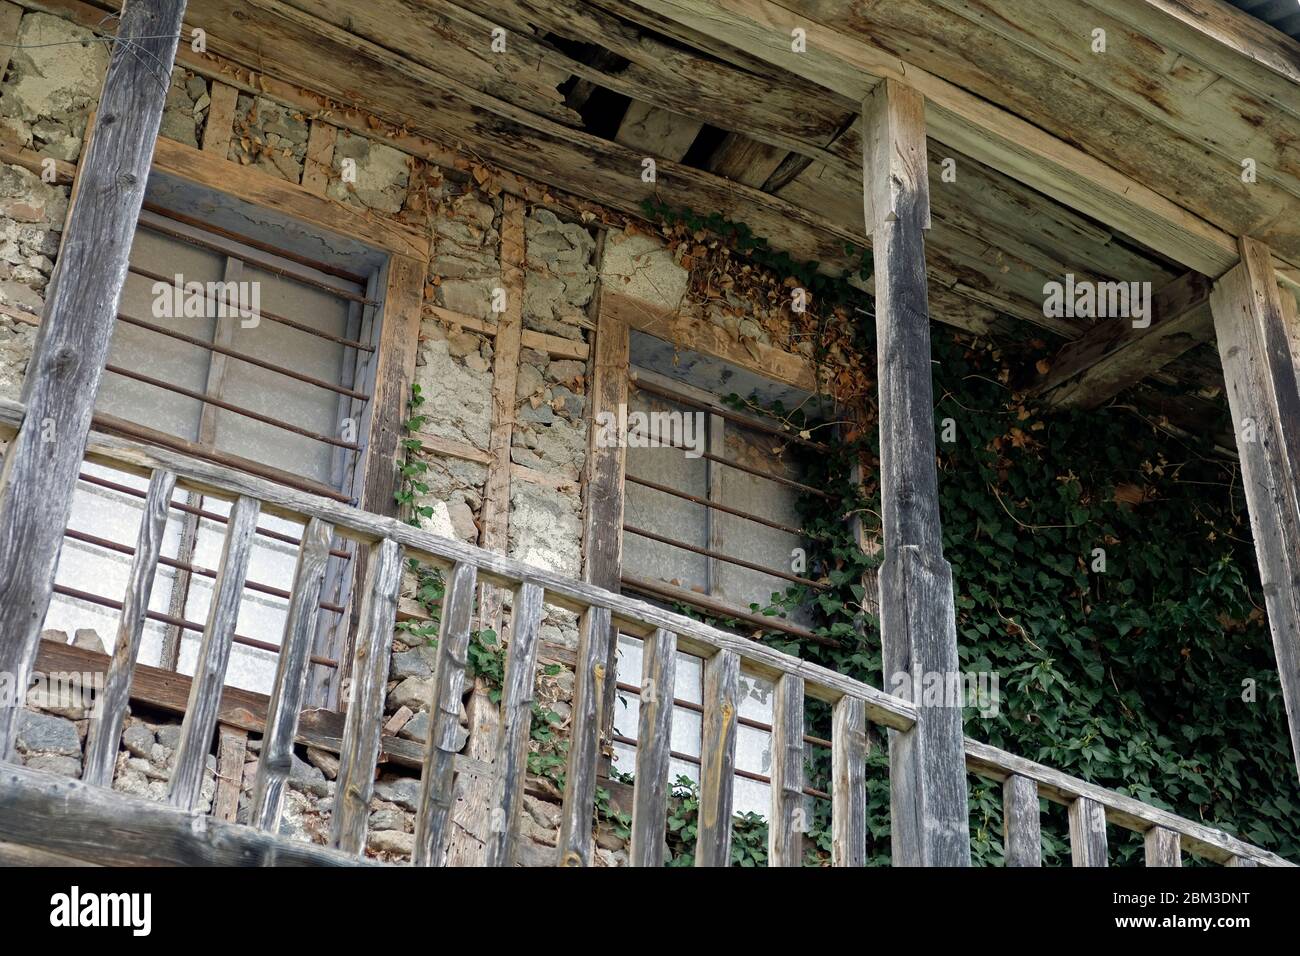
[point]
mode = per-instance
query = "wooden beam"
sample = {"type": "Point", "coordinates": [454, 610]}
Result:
{"type": "Point", "coordinates": [42, 461]}
{"type": "Point", "coordinates": [1087, 833]}
{"type": "Point", "coordinates": [319, 160]}
{"type": "Point", "coordinates": [1115, 354]}
{"type": "Point", "coordinates": [850, 66]}
{"type": "Point", "coordinates": [1259, 370]}
{"type": "Point", "coordinates": [746, 160]}
{"type": "Point", "coordinates": [928, 807]}
{"type": "Point", "coordinates": [292, 199]}
{"type": "Point", "coordinates": [102, 826]}
{"type": "Point", "coordinates": [220, 126]}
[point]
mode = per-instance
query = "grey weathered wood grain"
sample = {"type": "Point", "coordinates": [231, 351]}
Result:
{"type": "Point", "coordinates": [634, 617]}
{"type": "Point", "coordinates": [1241, 861]}
{"type": "Point", "coordinates": [928, 805]}
{"type": "Point", "coordinates": [584, 740]}
{"type": "Point", "coordinates": [103, 826]}
{"type": "Point", "coordinates": [104, 733]}
{"type": "Point", "coordinates": [993, 763]}
{"type": "Point", "coordinates": [511, 760]}
{"type": "Point", "coordinates": [849, 751]}
{"type": "Point", "coordinates": [1162, 847]}
{"type": "Point", "coordinates": [433, 816]}
{"type": "Point", "coordinates": [1087, 833]}
{"type": "Point", "coordinates": [360, 750]}
{"type": "Point", "coordinates": [41, 464]}
{"type": "Point", "coordinates": [200, 721]}
{"type": "Point", "coordinates": [232, 747]}
{"type": "Point", "coordinates": [1022, 835]}
{"type": "Point", "coordinates": [786, 823]}
{"type": "Point", "coordinates": [1261, 382]}
{"type": "Point", "coordinates": [653, 749]}
{"type": "Point", "coordinates": [290, 676]}
{"type": "Point", "coordinates": [718, 759]}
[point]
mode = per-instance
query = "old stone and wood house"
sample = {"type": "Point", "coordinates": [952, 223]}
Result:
{"type": "Point", "coordinates": [329, 328]}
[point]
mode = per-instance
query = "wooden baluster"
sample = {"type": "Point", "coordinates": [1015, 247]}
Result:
{"type": "Point", "coordinates": [1022, 836]}
{"type": "Point", "coordinates": [232, 747]}
{"type": "Point", "coordinates": [849, 750]}
{"type": "Point", "coordinates": [653, 749]}
{"type": "Point", "coordinates": [1163, 847]}
{"type": "Point", "coordinates": [786, 823]}
{"type": "Point", "coordinates": [290, 676]}
{"type": "Point", "coordinates": [718, 760]}
{"type": "Point", "coordinates": [433, 819]}
{"type": "Point", "coordinates": [1241, 861]}
{"type": "Point", "coordinates": [511, 760]}
{"type": "Point", "coordinates": [1087, 833]}
{"type": "Point", "coordinates": [584, 739]}
{"type": "Point", "coordinates": [360, 750]}
{"type": "Point", "coordinates": [209, 679]}
{"type": "Point", "coordinates": [105, 732]}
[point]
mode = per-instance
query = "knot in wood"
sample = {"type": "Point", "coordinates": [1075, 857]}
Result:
{"type": "Point", "coordinates": [127, 180]}
{"type": "Point", "coordinates": [62, 360]}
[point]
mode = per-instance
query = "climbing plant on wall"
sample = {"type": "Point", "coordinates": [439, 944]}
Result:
{"type": "Point", "coordinates": [1103, 572]}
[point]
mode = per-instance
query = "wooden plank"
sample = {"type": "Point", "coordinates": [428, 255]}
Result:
{"type": "Point", "coordinates": [433, 817]}
{"type": "Point", "coordinates": [511, 760]}
{"type": "Point", "coordinates": [849, 751]}
{"type": "Point", "coordinates": [104, 734]}
{"type": "Point", "coordinates": [263, 189]}
{"type": "Point", "coordinates": [186, 784]}
{"type": "Point", "coordinates": [746, 160]}
{"type": "Point", "coordinates": [291, 668]}
{"type": "Point", "coordinates": [1260, 375]}
{"type": "Point", "coordinates": [360, 751]}
{"type": "Point", "coordinates": [718, 759]}
{"type": "Point", "coordinates": [1087, 833]}
{"type": "Point", "coordinates": [102, 826]}
{"type": "Point", "coordinates": [653, 749]}
{"type": "Point", "coordinates": [318, 163]}
{"type": "Point", "coordinates": [584, 739]}
{"type": "Point", "coordinates": [1114, 354]}
{"type": "Point", "coordinates": [38, 475]}
{"type": "Point", "coordinates": [844, 62]}
{"type": "Point", "coordinates": [1162, 847]}
{"type": "Point", "coordinates": [656, 131]}
{"type": "Point", "coordinates": [1022, 837]}
{"type": "Point", "coordinates": [634, 617]}
{"type": "Point", "coordinates": [220, 126]}
{"type": "Point", "coordinates": [232, 745]}
{"type": "Point", "coordinates": [786, 824]}
{"type": "Point", "coordinates": [494, 516]}
{"type": "Point", "coordinates": [994, 763]}
{"type": "Point", "coordinates": [927, 771]}
{"type": "Point", "coordinates": [603, 484]}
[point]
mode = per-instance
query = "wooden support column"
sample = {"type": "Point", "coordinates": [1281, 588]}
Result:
{"type": "Point", "coordinates": [40, 468]}
{"type": "Point", "coordinates": [1259, 370]}
{"type": "Point", "coordinates": [927, 765]}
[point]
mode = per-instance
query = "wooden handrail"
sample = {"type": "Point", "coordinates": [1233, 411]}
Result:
{"type": "Point", "coordinates": [1092, 807]}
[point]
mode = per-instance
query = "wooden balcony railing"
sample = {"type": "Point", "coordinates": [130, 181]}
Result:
{"type": "Point", "coordinates": [87, 820]}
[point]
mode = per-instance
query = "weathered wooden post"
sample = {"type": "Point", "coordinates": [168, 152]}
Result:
{"type": "Point", "coordinates": [1257, 334]}
{"type": "Point", "coordinates": [40, 467]}
{"type": "Point", "coordinates": [927, 766]}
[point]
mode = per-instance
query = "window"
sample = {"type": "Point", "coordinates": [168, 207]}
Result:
{"type": "Point", "coordinates": [711, 520]}
{"type": "Point", "coordinates": [245, 341]}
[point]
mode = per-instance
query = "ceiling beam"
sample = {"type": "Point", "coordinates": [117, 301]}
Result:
{"type": "Point", "coordinates": [1114, 355]}
{"type": "Point", "coordinates": [850, 66]}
